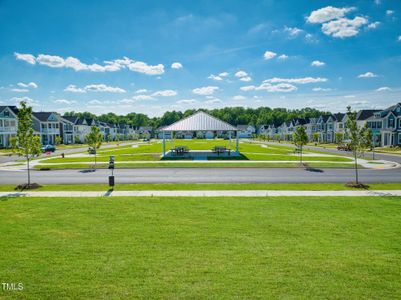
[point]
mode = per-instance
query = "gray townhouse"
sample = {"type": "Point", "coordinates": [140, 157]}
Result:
{"type": "Point", "coordinates": [47, 126]}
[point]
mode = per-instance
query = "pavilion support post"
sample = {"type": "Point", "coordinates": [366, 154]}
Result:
{"type": "Point", "coordinates": [229, 138]}
{"type": "Point", "coordinates": [236, 142]}
{"type": "Point", "coordinates": [164, 144]}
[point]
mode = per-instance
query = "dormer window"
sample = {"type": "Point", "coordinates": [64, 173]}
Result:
{"type": "Point", "coordinates": [6, 113]}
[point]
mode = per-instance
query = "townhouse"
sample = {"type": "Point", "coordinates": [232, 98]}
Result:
{"type": "Point", "coordinates": [8, 124]}
{"type": "Point", "coordinates": [246, 131]}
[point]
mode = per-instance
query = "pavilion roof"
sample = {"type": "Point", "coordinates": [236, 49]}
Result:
{"type": "Point", "coordinates": [200, 121]}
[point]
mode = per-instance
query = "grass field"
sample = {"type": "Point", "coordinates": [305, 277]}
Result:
{"type": "Point", "coordinates": [207, 186]}
{"type": "Point", "coordinates": [221, 248]}
{"type": "Point", "coordinates": [149, 155]}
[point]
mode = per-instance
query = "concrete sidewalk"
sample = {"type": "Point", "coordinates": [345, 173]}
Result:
{"type": "Point", "coordinates": [226, 193]}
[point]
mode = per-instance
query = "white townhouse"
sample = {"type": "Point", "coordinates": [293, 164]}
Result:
{"type": "Point", "coordinates": [47, 126]}
{"type": "Point", "coordinates": [8, 124]}
{"type": "Point", "coordinates": [83, 128]}
{"type": "Point", "coordinates": [246, 131]}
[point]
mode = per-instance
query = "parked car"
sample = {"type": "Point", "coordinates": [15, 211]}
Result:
{"type": "Point", "coordinates": [344, 147]}
{"type": "Point", "coordinates": [146, 139]}
{"type": "Point", "coordinates": [91, 151]}
{"type": "Point", "coordinates": [48, 148]}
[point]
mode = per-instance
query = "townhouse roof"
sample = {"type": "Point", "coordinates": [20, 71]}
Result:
{"type": "Point", "coordinates": [13, 108]}
{"type": "Point", "coordinates": [338, 116]}
{"type": "Point", "coordinates": [71, 119]}
{"type": "Point", "coordinates": [243, 127]}
{"type": "Point", "coordinates": [364, 114]}
{"type": "Point", "coordinates": [42, 116]}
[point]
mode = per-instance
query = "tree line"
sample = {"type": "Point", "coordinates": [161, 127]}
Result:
{"type": "Point", "coordinates": [233, 115]}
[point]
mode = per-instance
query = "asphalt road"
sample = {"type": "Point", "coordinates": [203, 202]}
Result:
{"type": "Point", "coordinates": [202, 175]}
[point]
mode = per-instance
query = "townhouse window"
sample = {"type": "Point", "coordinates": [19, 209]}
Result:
{"type": "Point", "coordinates": [43, 126]}
{"type": "Point", "coordinates": [6, 123]}
{"type": "Point", "coordinates": [6, 113]}
{"type": "Point", "coordinates": [399, 123]}
{"type": "Point", "coordinates": [379, 125]}
{"type": "Point", "coordinates": [1, 123]}
{"type": "Point", "coordinates": [12, 123]}
{"type": "Point", "coordinates": [391, 123]}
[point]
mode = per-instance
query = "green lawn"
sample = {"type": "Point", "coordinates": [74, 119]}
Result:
{"type": "Point", "coordinates": [220, 248]}
{"type": "Point", "coordinates": [132, 156]}
{"type": "Point", "coordinates": [207, 186]}
{"type": "Point", "coordinates": [181, 164]}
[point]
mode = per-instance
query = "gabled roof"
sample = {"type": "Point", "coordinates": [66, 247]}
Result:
{"type": "Point", "coordinates": [13, 108]}
{"type": "Point", "coordinates": [70, 119]}
{"type": "Point", "coordinates": [43, 116]}
{"type": "Point", "coordinates": [200, 121]}
{"type": "Point", "coordinates": [339, 116]}
{"type": "Point", "coordinates": [365, 114]}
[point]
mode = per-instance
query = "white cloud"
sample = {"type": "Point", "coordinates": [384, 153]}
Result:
{"type": "Point", "coordinates": [319, 89]}
{"type": "Point", "coordinates": [240, 74]}
{"type": "Point", "coordinates": [94, 88]}
{"type": "Point", "coordinates": [399, 38]}
{"type": "Point", "coordinates": [269, 55]}
{"type": "Point", "coordinates": [141, 91]}
{"type": "Point", "coordinates": [317, 63]}
{"type": "Point", "coordinates": [239, 98]}
{"type": "Point", "coordinates": [165, 93]}
{"type": "Point", "coordinates": [343, 27]}
{"type": "Point", "coordinates": [377, 2]}
{"type": "Point", "coordinates": [74, 89]}
{"type": "Point", "coordinates": [28, 100]}
{"type": "Point", "coordinates": [328, 13]}
{"type": "Point", "coordinates": [142, 67]}
{"type": "Point", "coordinates": [103, 88]}
{"type": "Point", "coordinates": [246, 78]}
{"type": "Point", "coordinates": [176, 65]}
{"type": "Point", "coordinates": [272, 88]}
{"type": "Point", "coordinates": [55, 61]}
{"type": "Point", "coordinates": [28, 85]}
{"type": "Point", "coordinates": [20, 90]}
{"type": "Point", "coordinates": [373, 25]}
{"type": "Point", "coordinates": [142, 97]}
{"type": "Point", "coordinates": [213, 101]}
{"type": "Point", "coordinates": [29, 58]}
{"type": "Point", "coordinates": [293, 31]}
{"type": "Point", "coordinates": [215, 77]}
{"type": "Point", "coordinates": [303, 80]}
{"type": "Point", "coordinates": [95, 102]}
{"type": "Point", "coordinates": [389, 12]}
{"type": "Point", "coordinates": [52, 61]}
{"type": "Point", "coordinates": [65, 101]}
{"type": "Point", "coordinates": [367, 75]}
{"type": "Point", "coordinates": [224, 74]}
{"type": "Point", "coordinates": [349, 96]}
{"type": "Point", "coordinates": [283, 57]}
{"type": "Point", "coordinates": [206, 90]}
{"type": "Point", "coordinates": [383, 89]}
{"type": "Point", "coordinates": [187, 101]}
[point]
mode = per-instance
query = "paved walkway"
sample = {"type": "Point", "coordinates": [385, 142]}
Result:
{"type": "Point", "coordinates": [226, 193]}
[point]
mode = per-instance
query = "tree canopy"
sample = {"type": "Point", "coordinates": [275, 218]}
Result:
{"type": "Point", "coordinates": [233, 115]}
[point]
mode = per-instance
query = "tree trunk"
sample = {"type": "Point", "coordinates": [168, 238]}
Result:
{"type": "Point", "coordinates": [356, 168]}
{"type": "Point", "coordinates": [95, 159]}
{"type": "Point", "coordinates": [301, 155]}
{"type": "Point", "coordinates": [29, 173]}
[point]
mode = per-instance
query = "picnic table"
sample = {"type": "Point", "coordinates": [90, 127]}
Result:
{"type": "Point", "coordinates": [219, 150]}
{"type": "Point", "coordinates": [180, 150]}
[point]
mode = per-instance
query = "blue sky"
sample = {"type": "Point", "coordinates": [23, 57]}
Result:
{"type": "Point", "coordinates": [153, 56]}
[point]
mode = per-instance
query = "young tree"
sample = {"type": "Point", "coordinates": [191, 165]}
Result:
{"type": "Point", "coordinates": [357, 137]}
{"type": "Point", "coordinates": [26, 144]}
{"type": "Point", "coordinates": [300, 139]}
{"type": "Point", "coordinates": [57, 140]}
{"type": "Point", "coordinates": [94, 140]}
{"type": "Point", "coordinates": [339, 138]}
{"type": "Point", "coordinates": [77, 139]}
{"type": "Point", "coordinates": [316, 137]}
